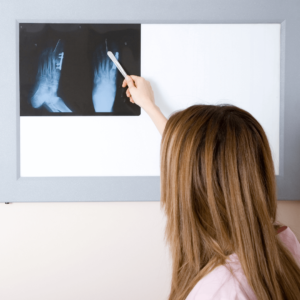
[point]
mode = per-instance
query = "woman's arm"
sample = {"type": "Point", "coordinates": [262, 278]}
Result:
{"type": "Point", "coordinates": [140, 92]}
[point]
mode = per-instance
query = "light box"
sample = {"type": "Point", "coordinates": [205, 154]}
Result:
{"type": "Point", "coordinates": [206, 51]}
{"type": "Point", "coordinates": [187, 64]}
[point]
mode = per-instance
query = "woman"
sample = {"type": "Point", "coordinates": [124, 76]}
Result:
{"type": "Point", "coordinates": [218, 191]}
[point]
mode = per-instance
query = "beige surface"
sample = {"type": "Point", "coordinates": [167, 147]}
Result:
{"type": "Point", "coordinates": [289, 214]}
{"type": "Point", "coordinates": [90, 251]}
{"type": "Point", "coordinates": [78, 251]}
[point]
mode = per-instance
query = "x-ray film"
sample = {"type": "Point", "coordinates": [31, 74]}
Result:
{"type": "Point", "coordinates": [65, 69]}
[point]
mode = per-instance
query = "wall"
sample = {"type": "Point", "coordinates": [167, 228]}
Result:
{"type": "Point", "coordinates": [81, 251]}
{"type": "Point", "coordinates": [289, 214]}
{"type": "Point", "coordinates": [90, 251]}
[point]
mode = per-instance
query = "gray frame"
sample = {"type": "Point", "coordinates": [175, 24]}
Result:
{"type": "Point", "coordinates": [71, 189]}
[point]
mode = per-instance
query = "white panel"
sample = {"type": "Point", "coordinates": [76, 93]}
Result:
{"type": "Point", "coordinates": [186, 64]}
{"type": "Point", "coordinates": [89, 146]}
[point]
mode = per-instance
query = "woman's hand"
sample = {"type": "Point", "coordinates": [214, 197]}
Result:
{"type": "Point", "coordinates": [139, 91]}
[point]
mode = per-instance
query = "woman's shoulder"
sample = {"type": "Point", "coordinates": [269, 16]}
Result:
{"type": "Point", "coordinates": [229, 281]}
{"type": "Point", "coordinates": [290, 240]}
{"type": "Point", "coordinates": [224, 282]}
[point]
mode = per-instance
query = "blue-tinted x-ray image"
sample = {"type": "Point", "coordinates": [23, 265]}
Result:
{"type": "Point", "coordinates": [47, 80]}
{"type": "Point", "coordinates": [105, 79]}
{"type": "Point", "coordinates": [65, 71]}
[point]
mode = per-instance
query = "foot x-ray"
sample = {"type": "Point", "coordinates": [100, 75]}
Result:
{"type": "Point", "coordinates": [65, 69]}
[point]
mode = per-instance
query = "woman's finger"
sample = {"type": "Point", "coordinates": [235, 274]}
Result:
{"type": "Point", "coordinates": [128, 93]}
{"type": "Point", "coordinates": [124, 83]}
{"type": "Point", "coordinates": [135, 78]}
{"type": "Point", "coordinates": [130, 82]}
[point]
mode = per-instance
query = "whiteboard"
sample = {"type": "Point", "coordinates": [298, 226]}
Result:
{"type": "Point", "coordinates": [186, 64]}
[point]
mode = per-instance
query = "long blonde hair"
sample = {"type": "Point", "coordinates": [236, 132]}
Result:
{"type": "Point", "coordinates": [218, 191]}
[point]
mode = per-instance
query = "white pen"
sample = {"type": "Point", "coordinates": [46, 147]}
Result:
{"type": "Point", "coordinates": [115, 61]}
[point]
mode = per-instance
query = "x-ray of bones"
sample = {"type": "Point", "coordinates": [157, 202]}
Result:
{"type": "Point", "coordinates": [47, 80]}
{"type": "Point", "coordinates": [48, 76]}
{"type": "Point", "coordinates": [105, 80]}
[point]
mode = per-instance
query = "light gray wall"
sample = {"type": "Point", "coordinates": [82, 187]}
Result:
{"type": "Point", "coordinates": [15, 189]}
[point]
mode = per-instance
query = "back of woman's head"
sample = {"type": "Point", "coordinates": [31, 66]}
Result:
{"type": "Point", "coordinates": [218, 190]}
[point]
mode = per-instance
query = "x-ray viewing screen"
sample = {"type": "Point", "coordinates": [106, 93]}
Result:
{"type": "Point", "coordinates": [235, 64]}
{"type": "Point", "coordinates": [65, 70]}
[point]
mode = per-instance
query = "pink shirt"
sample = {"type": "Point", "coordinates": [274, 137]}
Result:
{"type": "Point", "coordinates": [221, 285]}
